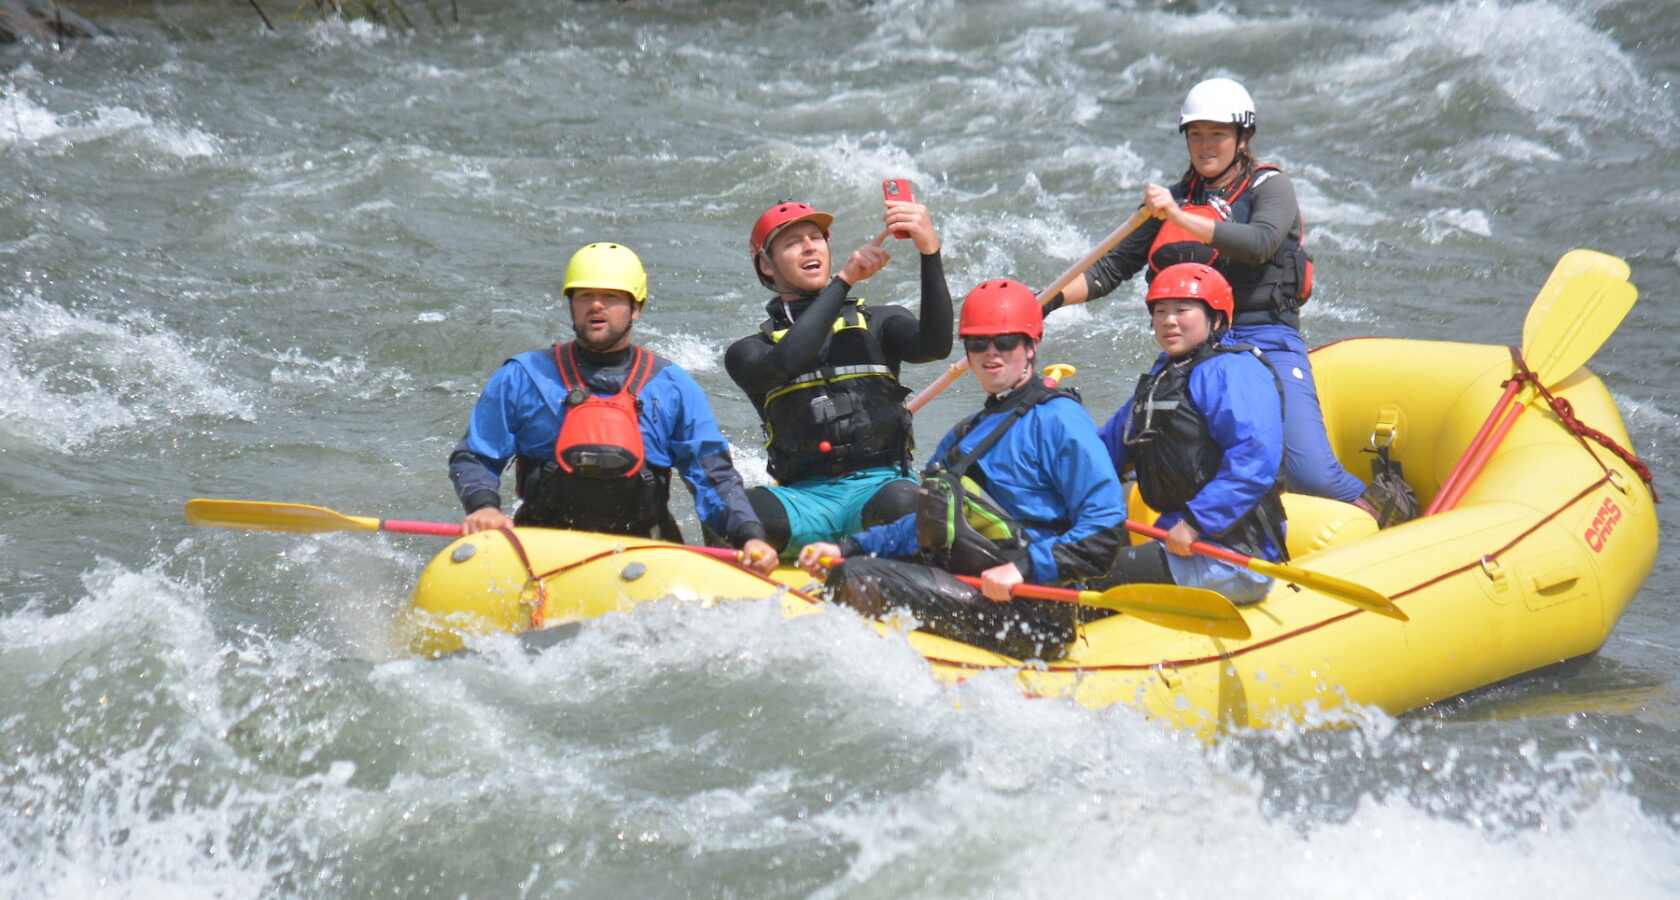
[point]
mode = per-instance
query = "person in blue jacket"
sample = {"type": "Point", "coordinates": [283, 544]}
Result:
{"type": "Point", "coordinates": [1204, 432]}
{"type": "Point", "coordinates": [596, 426]}
{"type": "Point", "coordinates": [1021, 491]}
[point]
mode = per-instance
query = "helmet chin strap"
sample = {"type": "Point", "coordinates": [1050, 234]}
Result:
{"type": "Point", "coordinates": [1235, 159]}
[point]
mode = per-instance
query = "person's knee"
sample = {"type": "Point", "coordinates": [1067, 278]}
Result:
{"type": "Point", "coordinates": [1141, 564]}
{"type": "Point", "coordinates": [893, 501]}
{"type": "Point", "coordinates": [772, 515]}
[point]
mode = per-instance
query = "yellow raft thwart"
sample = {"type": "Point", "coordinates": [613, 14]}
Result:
{"type": "Point", "coordinates": [1534, 566]}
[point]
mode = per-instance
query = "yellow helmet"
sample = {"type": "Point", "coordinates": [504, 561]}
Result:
{"type": "Point", "coordinates": [612, 267]}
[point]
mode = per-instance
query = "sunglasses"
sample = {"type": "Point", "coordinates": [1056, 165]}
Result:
{"type": "Point", "coordinates": [1004, 342]}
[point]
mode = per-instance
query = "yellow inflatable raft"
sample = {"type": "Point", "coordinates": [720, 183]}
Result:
{"type": "Point", "coordinates": [1534, 566]}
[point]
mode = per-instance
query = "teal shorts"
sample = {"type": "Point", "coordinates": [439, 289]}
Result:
{"type": "Point", "coordinates": [827, 509]}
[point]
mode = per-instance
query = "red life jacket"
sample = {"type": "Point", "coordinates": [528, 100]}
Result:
{"type": "Point", "coordinates": [601, 437]}
{"type": "Point", "coordinates": [1281, 284]}
{"type": "Point", "coordinates": [1180, 245]}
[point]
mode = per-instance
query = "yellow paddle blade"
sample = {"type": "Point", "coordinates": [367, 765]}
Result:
{"type": "Point", "coordinates": [1571, 264]}
{"type": "Point", "coordinates": [1059, 372]}
{"type": "Point", "coordinates": [292, 517]}
{"type": "Point", "coordinates": [1329, 585]}
{"type": "Point", "coordinates": [1582, 317]}
{"type": "Point", "coordinates": [1196, 610]}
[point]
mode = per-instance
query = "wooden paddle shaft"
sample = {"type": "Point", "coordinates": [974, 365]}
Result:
{"type": "Point", "coordinates": [956, 369]}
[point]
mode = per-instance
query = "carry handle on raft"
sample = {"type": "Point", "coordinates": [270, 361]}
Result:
{"type": "Point", "coordinates": [1194, 610]}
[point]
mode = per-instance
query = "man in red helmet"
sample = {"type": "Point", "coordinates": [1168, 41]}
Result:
{"type": "Point", "coordinates": [822, 372]}
{"type": "Point", "coordinates": [1204, 431]}
{"type": "Point", "coordinates": [1020, 491]}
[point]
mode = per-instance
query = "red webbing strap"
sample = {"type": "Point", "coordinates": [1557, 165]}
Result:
{"type": "Point", "coordinates": [641, 369]}
{"type": "Point", "coordinates": [570, 378]}
{"type": "Point", "coordinates": [540, 606]}
{"type": "Point", "coordinates": [1566, 414]}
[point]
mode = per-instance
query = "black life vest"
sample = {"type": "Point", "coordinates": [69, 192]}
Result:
{"type": "Point", "coordinates": [959, 528]}
{"type": "Point", "coordinates": [1176, 457]}
{"type": "Point", "coordinates": [1263, 292]}
{"type": "Point", "coordinates": [597, 479]}
{"type": "Point", "coordinates": [845, 415]}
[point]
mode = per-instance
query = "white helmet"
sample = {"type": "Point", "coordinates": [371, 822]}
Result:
{"type": "Point", "coordinates": [1217, 100]}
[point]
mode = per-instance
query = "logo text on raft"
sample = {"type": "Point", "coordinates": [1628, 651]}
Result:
{"type": "Point", "coordinates": [1602, 524]}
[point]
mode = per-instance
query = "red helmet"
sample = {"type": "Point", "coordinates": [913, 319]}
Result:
{"type": "Point", "coordinates": [780, 216]}
{"type": "Point", "coordinates": [1001, 307]}
{"type": "Point", "coordinates": [1192, 281]}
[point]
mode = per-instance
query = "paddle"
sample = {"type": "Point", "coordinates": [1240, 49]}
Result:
{"type": "Point", "coordinates": [1570, 319]}
{"type": "Point", "coordinates": [1329, 585]}
{"type": "Point", "coordinates": [1194, 610]}
{"type": "Point", "coordinates": [956, 369]}
{"type": "Point", "coordinates": [300, 519]}
{"type": "Point", "coordinates": [1569, 265]}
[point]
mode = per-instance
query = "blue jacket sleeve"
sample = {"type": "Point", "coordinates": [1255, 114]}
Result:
{"type": "Point", "coordinates": [1239, 399]}
{"type": "Point", "coordinates": [897, 539]}
{"type": "Point", "coordinates": [684, 434]}
{"type": "Point", "coordinates": [509, 417]}
{"type": "Point", "coordinates": [894, 540]}
{"type": "Point", "coordinates": [1083, 481]}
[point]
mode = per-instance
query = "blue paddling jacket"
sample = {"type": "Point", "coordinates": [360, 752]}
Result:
{"type": "Point", "coordinates": [1235, 396]}
{"type": "Point", "coordinates": [1051, 474]}
{"type": "Point", "coordinates": [521, 410]}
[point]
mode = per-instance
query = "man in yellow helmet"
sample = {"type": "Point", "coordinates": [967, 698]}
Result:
{"type": "Point", "coordinates": [595, 427]}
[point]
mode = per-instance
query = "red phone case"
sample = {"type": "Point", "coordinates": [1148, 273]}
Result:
{"type": "Point", "coordinates": [898, 189]}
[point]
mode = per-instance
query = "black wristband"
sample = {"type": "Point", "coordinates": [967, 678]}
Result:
{"type": "Point", "coordinates": [748, 531]}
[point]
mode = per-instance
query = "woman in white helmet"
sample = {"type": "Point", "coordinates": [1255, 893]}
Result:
{"type": "Point", "coordinates": [1240, 217]}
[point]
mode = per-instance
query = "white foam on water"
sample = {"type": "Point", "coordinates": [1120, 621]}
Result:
{"type": "Point", "coordinates": [120, 121]}
{"type": "Point", "coordinates": [751, 461]}
{"type": "Point", "coordinates": [1545, 59]}
{"type": "Point", "coordinates": [854, 165]}
{"type": "Point", "coordinates": [694, 353]}
{"type": "Point", "coordinates": [1441, 224]}
{"type": "Point", "coordinates": [1320, 210]}
{"type": "Point", "coordinates": [681, 734]}
{"type": "Point", "coordinates": [67, 376]}
{"type": "Point", "coordinates": [103, 777]}
{"type": "Point", "coordinates": [1036, 796]}
{"type": "Point", "coordinates": [336, 32]}
{"type": "Point", "coordinates": [24, 121]}
{"type": "Point", "coordinates": [294, 368]}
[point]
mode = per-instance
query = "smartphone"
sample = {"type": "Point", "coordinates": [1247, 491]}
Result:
{"type": "Point", "coordinates": [898, 189]}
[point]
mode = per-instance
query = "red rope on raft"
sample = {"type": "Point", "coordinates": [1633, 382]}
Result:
{"type": "Point", "coordinates": [1566, 415]}
{"type": "Point", "coordinates": [539, 607]}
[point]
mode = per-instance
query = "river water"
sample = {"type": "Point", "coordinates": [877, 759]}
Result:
{"type": "Point", "coordinates": [279, 266]}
